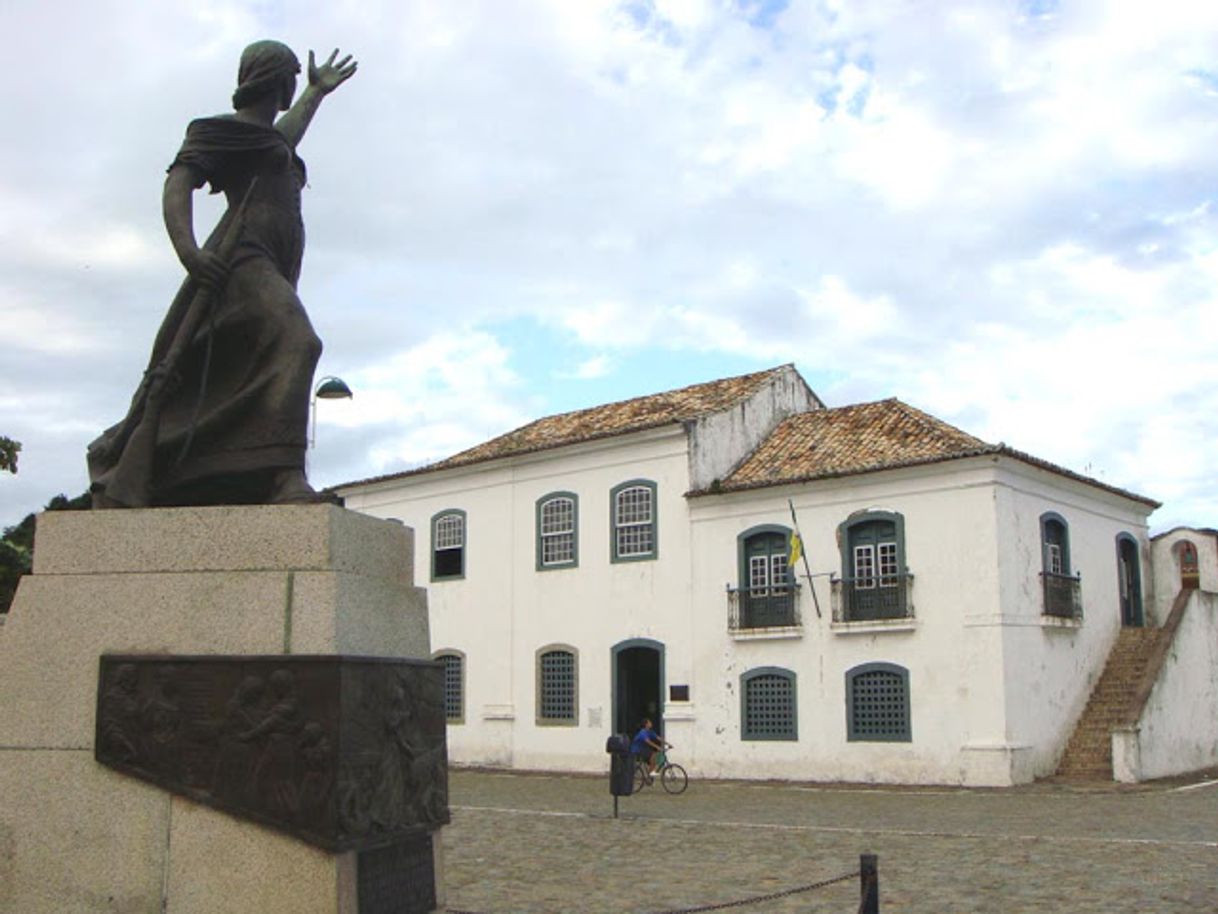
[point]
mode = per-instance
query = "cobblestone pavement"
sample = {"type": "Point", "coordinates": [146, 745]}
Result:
{"type": "Point", "coordinates": [533, 843]}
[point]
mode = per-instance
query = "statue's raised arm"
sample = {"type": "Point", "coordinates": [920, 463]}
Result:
{"type": "Point", "coordinates": [322, 81]}
{"type": "Point", "coordinates": [222, 414]}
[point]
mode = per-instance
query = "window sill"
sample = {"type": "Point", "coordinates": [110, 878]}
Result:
{"type": "Point", "coordinates": [774, 633]}
{"type": "Point", "coordinates": [792, 738]}
{"type": "Point", "coordinates": [871, 626]}
{"type": "Point", "coordinates": [627, 559]}
{"type": "Point", "coordinates": [879, 739]}
{"type": "Point", "coordinates": [1059, 622]}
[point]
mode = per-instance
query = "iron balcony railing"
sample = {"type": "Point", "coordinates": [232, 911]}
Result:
{"type": "Point", "coordinates": [866, 599]}
{"type": "Point", "coordinates": [763, 607]}
{"type": "Point", "coordinates": [1063, 595]}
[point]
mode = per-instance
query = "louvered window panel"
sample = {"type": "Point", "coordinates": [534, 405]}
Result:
{"type": "Point", "coordinates": [557, 688]}
{"type": "Point", "coordinates": [878, 704]}
{"type": "Point", "coordinates": [769, 705]}
{"type": "Point", "coordinates": [454, 699]}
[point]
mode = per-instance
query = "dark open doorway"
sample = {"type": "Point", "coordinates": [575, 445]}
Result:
{"type": "Point", "coordinates": [638, 682]}
{"type": "Point", "coordinates": [1129, 571]}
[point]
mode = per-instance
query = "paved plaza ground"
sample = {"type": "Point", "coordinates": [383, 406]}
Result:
{"type": "Point", "coordinates": [533, 843]}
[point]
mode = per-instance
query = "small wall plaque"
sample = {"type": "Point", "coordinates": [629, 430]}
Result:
{"type": "Point", "coordinates": [398, 878]}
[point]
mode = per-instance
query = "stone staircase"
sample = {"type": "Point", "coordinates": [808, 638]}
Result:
{"type": "Point", "coordinates": [1088, 755]}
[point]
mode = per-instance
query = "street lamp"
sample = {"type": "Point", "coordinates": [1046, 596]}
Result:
{"type": "Point", "coordinates": [328, 388]}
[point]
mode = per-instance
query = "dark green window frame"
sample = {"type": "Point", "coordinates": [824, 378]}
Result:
{"type": "Point", "coordinates": [541, 535]}
{"type": "Point", "coordinates": [557, 693]}
{"type": "Point", "coordinates": [766, 595]}
{"type": "Point", "coordinates": [862, 519]}
{"type": "Point", "coordinates": [1061, 587]}
{"type": "Point", "coordinates": [624, 527]}
{"type": "Point", "coordinates": [769, 704]}
{"type": "Point", "coordinates": [454, 684]}
{"type": "Point", "coordinates": [1055, 532]}
{"type": "Point", "coordinates": [1129, 579]}
{"type": "Point", "coordinates": [875, 577]}
{"type": "Point", "coordinates": [442, 565]}
{"type": "Point", "coordinates": [877, 704]}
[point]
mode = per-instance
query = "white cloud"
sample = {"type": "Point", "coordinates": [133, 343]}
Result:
{"type": "Point", "coordinates": [433, 399]}
{"type": "Point", "coordinates": [1003, 218]}
{"type": "Point", "coordinates": [612, 323]}
{"type": "Point", "coordinates": [596, 367]}
{"type": "Point", "coordinates": [845, 317]}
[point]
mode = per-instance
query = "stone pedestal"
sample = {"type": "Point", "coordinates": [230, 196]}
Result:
{"type": "Point", "coordinates": [78, 837]}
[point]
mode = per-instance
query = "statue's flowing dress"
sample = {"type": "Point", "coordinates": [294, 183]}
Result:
{"type": "Point", "coordinates": [240, 409]}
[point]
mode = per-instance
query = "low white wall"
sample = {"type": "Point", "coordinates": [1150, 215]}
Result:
{"type": "Point", "coordinates": [1178, 730]}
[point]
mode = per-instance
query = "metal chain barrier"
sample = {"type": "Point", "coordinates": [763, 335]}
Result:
{"type": "Point", "coordinates": [760, 899]}
{"type": "Point", "coordinates": [740, 903]}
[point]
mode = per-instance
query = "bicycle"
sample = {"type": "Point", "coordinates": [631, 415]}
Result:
{"type": "Point", "coordinates": [672, 776]}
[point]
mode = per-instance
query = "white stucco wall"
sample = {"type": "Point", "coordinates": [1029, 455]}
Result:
{"type": "Point", "coordinates": [504, 610]}
{"type": "Point", "coordinates": [954, 671]}
{"type": "Point", "coordinates": [994, 689]}
{"type": "Point", "coordinates": [1050, 665]}
{"type": "Point", "coordinates": [1178, 729]}
{"type": "Point", "coordinates": [718, 441]}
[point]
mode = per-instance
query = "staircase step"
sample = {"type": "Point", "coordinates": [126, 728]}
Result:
{"type": "Point", "coordinates": [1088, 753]}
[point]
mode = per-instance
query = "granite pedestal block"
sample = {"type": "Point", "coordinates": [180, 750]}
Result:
{"type": "Point", "coordinates": [76, 836]}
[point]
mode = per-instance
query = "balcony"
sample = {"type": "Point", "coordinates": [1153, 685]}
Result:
{"type": "Point", "coordinates": [1063, 595]}
{"type": "Point", "coordinates": [873, 598]}
{"type": "Point", "coordinates": [763, 607]}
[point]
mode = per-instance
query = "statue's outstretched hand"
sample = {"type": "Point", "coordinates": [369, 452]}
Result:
{"type": "Point", "coordinates": [330, 75]}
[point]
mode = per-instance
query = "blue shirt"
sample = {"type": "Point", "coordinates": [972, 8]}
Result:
{"type": "Point", "coordinates": [639, 744]}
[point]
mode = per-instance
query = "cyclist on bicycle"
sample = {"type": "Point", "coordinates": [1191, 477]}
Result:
{"type": "Point", "coordinates": [648, 743]}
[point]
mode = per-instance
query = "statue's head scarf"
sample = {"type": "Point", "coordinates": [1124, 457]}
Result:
{"type": "Point", "coordinates": [263, 65]}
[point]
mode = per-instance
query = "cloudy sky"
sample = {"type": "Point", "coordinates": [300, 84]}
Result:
{"type": "Point", "coordinates": [999, 211]}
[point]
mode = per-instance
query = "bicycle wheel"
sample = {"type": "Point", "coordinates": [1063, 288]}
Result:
{"type": "Point", "coordinates": [674, 779]}
{"type": "Point", "coordinates": [640, 776]}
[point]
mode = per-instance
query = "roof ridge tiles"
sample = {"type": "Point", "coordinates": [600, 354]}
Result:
{"type": "Point", "coordinates": [822, 443]}
{"type": "Point", "coordinates": [867, 437]}
{"type": "Point", "coordinates": [605, 420]}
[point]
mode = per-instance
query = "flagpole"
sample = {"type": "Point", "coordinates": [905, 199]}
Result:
{"type": "Point", "coordinates": [803, 554]}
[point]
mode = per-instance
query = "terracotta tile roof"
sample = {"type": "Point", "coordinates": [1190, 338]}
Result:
{"type": "Point", "coordinates": [867, 437]}
{"type": "Point", "coordinates": [851, 439]}
{"type": "Point", "coordinates": [605, 421]}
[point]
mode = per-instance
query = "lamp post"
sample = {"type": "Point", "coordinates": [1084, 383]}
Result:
{"type": "Point", "coordinates": [328, 388]}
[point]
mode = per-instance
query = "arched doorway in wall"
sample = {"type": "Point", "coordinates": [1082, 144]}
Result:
{"type": "Point", "coordinates": [638, 684]}
{"type": "Point", "coordinates": [1129, 583]}
{"type": "Point", "coordinates": [1190, 568]}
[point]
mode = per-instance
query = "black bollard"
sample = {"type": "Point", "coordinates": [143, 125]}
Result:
{"type": "Point", "coordinates": [621, 768]}
{"type": "Point", "coordinates": [869, 884]}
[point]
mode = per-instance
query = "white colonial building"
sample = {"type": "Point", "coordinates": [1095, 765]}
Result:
{"type": "Point", "coordinates": [958, 603]}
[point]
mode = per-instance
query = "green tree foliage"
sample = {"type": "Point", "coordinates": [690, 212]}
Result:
{"type": "Point", "coordinates": [8, 454]}
{"type": "Point", "coordinates": [17, 546]}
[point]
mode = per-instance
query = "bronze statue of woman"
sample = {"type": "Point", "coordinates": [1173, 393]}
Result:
{"type": "Point", "coordinates": [221, 416]}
